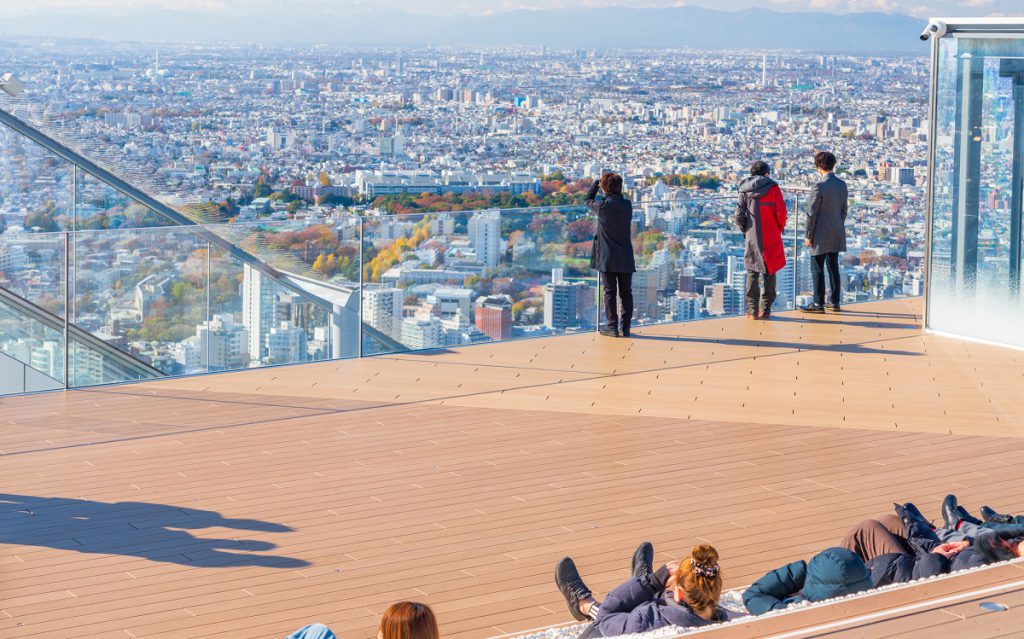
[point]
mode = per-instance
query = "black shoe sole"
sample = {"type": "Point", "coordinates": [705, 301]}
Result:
{"type": "Point", "coordinates": [566, 576]}
{"type": "Point", "coordinates": [643, 560]}
{"type": "Point", "coordinates": [813, 311]}
{"type": "Point", "coordinates": [916, 513]}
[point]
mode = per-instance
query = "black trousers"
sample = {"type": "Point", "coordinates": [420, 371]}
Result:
{"type": "Point", "coordinates": [819, 263]}
{"type": "Point", "coordinates": [755, 293]}
{"type": "Point", "coordinates": [617, 286]}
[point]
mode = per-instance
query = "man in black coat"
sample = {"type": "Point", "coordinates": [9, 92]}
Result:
{"type": "Point", "coordinates": [612, 255]}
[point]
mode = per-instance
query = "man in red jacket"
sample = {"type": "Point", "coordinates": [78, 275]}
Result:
{"type": "Point", "coordinates": [761, 215]}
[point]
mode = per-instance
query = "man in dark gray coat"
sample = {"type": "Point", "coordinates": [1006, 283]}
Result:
{"type": "Point", "coordinates": [826, 232]}
{"type": "Point", "coordinates": [613, 252]}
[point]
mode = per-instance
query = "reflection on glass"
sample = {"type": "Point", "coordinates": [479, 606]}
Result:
{"type": "Point", "coordinates": [310, 313]}
{"type": "Point", "coordinates": [99, 206]}
{"type": "Point", "coordinates": [976, 216]}
{"type": "Point", "coordinates": [35, 186]}
{"type": "Point", "coordinates": [144, 292]}
{"type": "Point", "coordinates": [31, 352]}
{"type": "Point", "coordinates": [885, 249]}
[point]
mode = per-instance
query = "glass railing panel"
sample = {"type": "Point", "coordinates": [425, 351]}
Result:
{"type": "Point", "coordinates": [406, 260]}
{"type": "Point", "coordinates": [308, 313]}
{"type": "Point", "coordinates": [33, 352]}
{"type": "Point", "coordinates": [144, 292]}
{"type": "Point", "coordinates": [33, 267]}
{"type": "Point", "coordinates": [885, 250]}
{"type": "Point", "coordinates": [36, 186]}
{"type": "Point", "coordinates": [689, 260]}
{"type": "Point", "coordinates": [543, 274]}
{"type": "Point", "coordinates": [101, 206]}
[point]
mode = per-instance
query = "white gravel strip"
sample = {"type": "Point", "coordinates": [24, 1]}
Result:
{"type": "Point", "coordinates": [733, 601]}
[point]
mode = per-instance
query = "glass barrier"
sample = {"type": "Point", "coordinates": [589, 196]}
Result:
{"type": "Point", "coordinates": [35, 186]}
{"type": "Point", "coordinates": [101, 206]}
{"type": "Point", "coordinates": [142, 291]}
{"type": "Point", "coordinates": [884, 256]}
{"type": "Point", "coordinates": [180, 300]}
{"type": "Point", "coordinates": [977, 219]}
{"type": "Point", "coordinates": [309, 312]}
{"type": "Point", "coordinates": [689, 261]}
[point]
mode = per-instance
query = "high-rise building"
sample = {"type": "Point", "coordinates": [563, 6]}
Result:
{"type": "Point", "coordinates": [485, 237]}
{"type": "Point", "coordinates": [449, 301]}
{"type": "Point", "coordinates": [686, 307]}
{"type": "Point", "coordinates": [286, 344]}
{"type": "Point", "coordinates": [645, 294]}
{"type": "Point", "coordinates": [221, 344]}
{"type": "Point", "coordinates": [422, 331]}
{"type": "Point", "coordinates": [151, 289]}
{"type": "Point", "coordinates": [382, 309]}
{"type": "Point", "coordinates": [902, 175]}
{"type": "Point", "coordinates": [278, 139]}
{"type": "Point", "coordinates": [494, 316]}
{"type": "Point", "coordinates": [567, 304]}
{"type": "Point", "coordinates": [724, 299]}
{"type": "Point", "coordinates": [258, 310]}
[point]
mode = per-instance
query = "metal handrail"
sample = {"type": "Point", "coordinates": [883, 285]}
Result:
{"type": "Point", "coordinates": [77, 334]}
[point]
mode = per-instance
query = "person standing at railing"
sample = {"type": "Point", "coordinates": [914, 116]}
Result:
{"type": "Point", "coordinates": [761, 215]}
{"type": "Point", "coordinates": [612, 254]}
{"type": "Point", "coordinates": [826, 232]}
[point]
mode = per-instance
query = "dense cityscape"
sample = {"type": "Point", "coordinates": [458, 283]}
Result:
{"type": "Point", "coordinates": [396, 179]}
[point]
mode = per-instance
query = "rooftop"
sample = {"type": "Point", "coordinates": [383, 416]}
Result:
{"type": "Point", "coordinates": [247, 504]}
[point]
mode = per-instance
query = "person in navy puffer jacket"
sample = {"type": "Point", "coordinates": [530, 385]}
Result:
{"type": "Point", "coordinates": [833, 572]}
{"type": "Point", "coordinates": [640, 605]}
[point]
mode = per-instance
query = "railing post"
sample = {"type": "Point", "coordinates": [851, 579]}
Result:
{"type": "Point", "coordinates": [796, 250]}
{"type": "Point", "coordinates": [359, 311]}
{"type": "Point", "coordinates": [209, 316]}
{"type": "Point", "coordinates": [67, 308]}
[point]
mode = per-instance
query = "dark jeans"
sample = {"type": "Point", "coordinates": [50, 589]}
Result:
{"type": "Point", "coordinates": [818, 265]}
{"type": "Point", "coordinates": [617, 286]}
{"type": "Point", "coordinates": [767, 297]}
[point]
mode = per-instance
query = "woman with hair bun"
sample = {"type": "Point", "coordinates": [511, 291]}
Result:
{"type": "Point", "coordinates": [639, 604]}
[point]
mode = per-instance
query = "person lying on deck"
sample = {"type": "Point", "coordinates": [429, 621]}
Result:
{"type": "Point", "coordinates": [639, 604]}
{"type": "Point", "coordinates": [905, 546]}
{"type": "Point", "coordinates": [834, 572]}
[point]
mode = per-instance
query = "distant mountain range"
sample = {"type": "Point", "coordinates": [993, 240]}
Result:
{"type": "Point", "coordinates": [612, 27]}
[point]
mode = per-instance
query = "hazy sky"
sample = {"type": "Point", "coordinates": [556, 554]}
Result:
{"type": "Point", "coordinates": [922, 8]}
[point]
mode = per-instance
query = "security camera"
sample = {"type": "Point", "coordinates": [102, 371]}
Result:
{"type": "Point", "coordinates": [11, 85]}
{"type": "Point", "coordinates": [935, 28]}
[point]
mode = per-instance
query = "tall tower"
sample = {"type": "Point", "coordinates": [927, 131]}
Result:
{"type": "Point", "coordinates": [764, 70]}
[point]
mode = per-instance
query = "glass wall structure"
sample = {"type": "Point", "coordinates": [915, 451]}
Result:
{"type": "Point", "coordinates": [977, 173]}
{"type": "Point", "coordinates": [102, 283]}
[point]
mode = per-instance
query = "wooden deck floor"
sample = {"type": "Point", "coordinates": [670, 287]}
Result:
{"type": "Point", "coordinates": [248, 504]}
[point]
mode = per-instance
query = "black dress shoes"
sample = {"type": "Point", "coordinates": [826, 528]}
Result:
{"type": "Point", "coordinates": [992, 516]}
{"type": "Point", "coordinates": [950, 514]}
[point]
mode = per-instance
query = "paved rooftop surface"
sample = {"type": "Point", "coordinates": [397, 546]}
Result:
{"type": "Point", "coordinates": [247, 504]}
